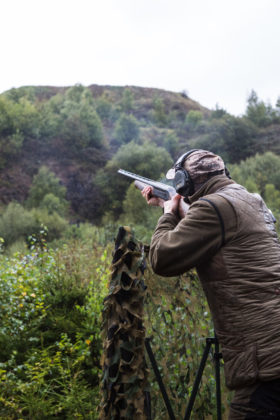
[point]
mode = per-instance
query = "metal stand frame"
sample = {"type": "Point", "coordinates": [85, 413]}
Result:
{"type": "Point", "coordinates": [217, 357]}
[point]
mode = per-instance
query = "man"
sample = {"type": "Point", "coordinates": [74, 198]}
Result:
{"type": "Point", "coordinates": [228, 234]}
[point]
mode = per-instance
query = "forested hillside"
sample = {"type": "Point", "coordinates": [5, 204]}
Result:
{"type": "Point", "coordinates": [61, 147]}
{"type": "Point", "coordinates": [61, 203]}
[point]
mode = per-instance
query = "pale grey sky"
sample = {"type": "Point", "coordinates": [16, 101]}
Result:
{"type": "Point", "coordinates": [217, 50]}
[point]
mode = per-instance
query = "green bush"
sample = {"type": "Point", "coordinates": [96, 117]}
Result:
{"type": "Point", "coordinates": [50, 332]}
{"type": "Point", "coordinates": [231, 137]}
{"type": "Point", "coordinates": [259, 113]}
{"type": "Point", "coordinates": [54, 224]}
{"type": "Point", "coordinates": [147, 160]}
{"type": "Point", "coordinates": [103, 107]}
{"type": "Point", "coordinates": [127, 102]}
{"type": "Point", "coordinates": [137, 213]}
{"type": "Point", "coordinates": [53, 204]}
{"type": "Point", "coordinates": [19, 121]}
{"type": "Point", "coordinates": [193, 118]}
{"type": "Point", "coordinates": [80, 125]}
{"type": "Point", "coordinates": [127, 129]}
{"type": "Point", "coordinates": [260, 169]}
{"type": "Point", "coordinates": [16, 224]}
{"type": "Point", "coordinates": [159, 114]}
{"type": "Point", "coordinates": [45, 182]}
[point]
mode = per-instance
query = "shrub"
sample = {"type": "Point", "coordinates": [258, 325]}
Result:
{"type": "Point", "coordinates": [81, 127]}
{"type": "Point", "coordinates": [50, 332]}
{"type": "Point", "coordinates": [158, 114]}
{"type": "Point", "coordinates": [261, 169]}
{"type": "Point", "coordinates": [193, 118]}
{"type": "Point", "coordinates": [103, 107]}
{"type": "Point", "coordinates": [146, 160]}
{"type": "Point", "coordinates": [18, 121]}
{"type": "Point", "coordinates": [16, 224]}
{"type": "Point", "coordinates": [127, 129]}
{"type": "Point", "coordinates": [46, 182]}
{"type": "Point", "coordinates": [53, 204]}
{"type": "Point", "coordinates": [127, 102]}
{"type": "Point", "coordinates": [54, 224]}
{"type": "Point", "coordinates": [258, 112]}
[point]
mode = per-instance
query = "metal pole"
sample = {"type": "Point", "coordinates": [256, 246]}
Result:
{"type": "Point", "coordinates": [159, 380]}
{"type": "Point", "coordinates": [217, 357]}
{"type": "Point", "coordinates": [209, 341]}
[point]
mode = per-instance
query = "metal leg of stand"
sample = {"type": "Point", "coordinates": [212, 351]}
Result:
{"type": "Point", "coordinates": [159, 380]}
{"type": "Point", "coordinates": [209, 341]}
{"type": "Point", "coordinates": [217, 357]}
{"type": "Point", "coordinates": [147, 405]}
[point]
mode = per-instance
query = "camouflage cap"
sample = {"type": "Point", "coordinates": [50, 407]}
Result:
{"type": "Point", "coordinates": [200, 164]}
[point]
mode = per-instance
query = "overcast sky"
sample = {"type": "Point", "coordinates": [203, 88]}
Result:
{"type": "Point", "coordinates": [216, 50]}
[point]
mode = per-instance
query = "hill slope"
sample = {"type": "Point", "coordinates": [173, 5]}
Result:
{"type": "Point", "coordinates": [75, 131]}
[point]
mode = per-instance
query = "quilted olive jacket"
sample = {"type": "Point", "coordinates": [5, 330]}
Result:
{"type": "Point", "coordinates": [228, 234]}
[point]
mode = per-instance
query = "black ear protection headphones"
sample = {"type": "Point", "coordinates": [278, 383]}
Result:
{"type": "Point", "coordinates": [182, 180]}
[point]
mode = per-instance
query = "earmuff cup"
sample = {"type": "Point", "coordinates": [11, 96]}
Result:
{"type": "Point", "coordinates": [183, 183]}
{"type": "Point", "coordinates": [182, 180]}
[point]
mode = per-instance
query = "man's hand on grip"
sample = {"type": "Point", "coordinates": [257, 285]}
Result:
{"type": "Point", "coordinates": [147, 193]}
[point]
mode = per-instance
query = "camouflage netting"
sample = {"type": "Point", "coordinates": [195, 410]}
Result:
{"type": "Point", "coordinates": [124, 380]}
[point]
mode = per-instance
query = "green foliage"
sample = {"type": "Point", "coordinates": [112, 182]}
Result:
{"type": "Point", "coordinates": [44, 183]}
{"type": "Point", "coordinates": [50, 117]}
{"type": "Point", "coordinates": [103, 107]}
{"type": "Point", "coordinates": [193, 118]}
{"type": "Point", "coordinates": [16, 224]}
{"type": "Point", "coordinates": [272, 197]}
{"type": "Point", "coordinates": [218, 113]}
{"type": "Point", "coordinates": [146, 160]}
{"type": "Point", "coordinates": [16, 94]}
{"type": "Point", "coordinates": [73, 118]}
{"type": "Point", "coordinates": [21, 116]}
{"type": "Point", "coordinates": [231, 137]}
{"type": "Point", "coordinates": [127, 102]}
{"type": "Point", "coordinates": [260, 169]}
{"type": "Point", "coordinates": [53, 204]}
{"type": "Point", "coordinates": [47, 204]}
{"type": "Point", "coordinates": [81, 126]}
{"type": "Point", "coordinates": [127, 129]}
{"type": "Point", "coordinates": [260, 113]}
{"type": "Point", "coordinates": [178, 319]}
{"type": "Point", "coordinates": [171, 143]}
{"type": "Point", "coordinates": [18, 121]}
{"type": "Point", "coordinates": [159, 114]}
{"type": "Point", "coordinates": [50, 332]}
{"type": "Point", "coordinates": [54, 223]}
{"type": "Point", "coordinates": [138, 214]}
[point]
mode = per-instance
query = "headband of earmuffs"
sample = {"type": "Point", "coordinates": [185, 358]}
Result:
{"type": "Point", "coordinates": [182, 180]}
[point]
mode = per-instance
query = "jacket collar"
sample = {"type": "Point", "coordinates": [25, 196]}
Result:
{"type": "Point", "coordinates": [211, 186]}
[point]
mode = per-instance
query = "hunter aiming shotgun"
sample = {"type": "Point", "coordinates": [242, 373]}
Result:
{"type": "Point", "coordinates": [161, 190]}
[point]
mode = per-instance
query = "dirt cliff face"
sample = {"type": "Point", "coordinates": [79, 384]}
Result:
{"type": "Point", "coordinates": [75, 173]}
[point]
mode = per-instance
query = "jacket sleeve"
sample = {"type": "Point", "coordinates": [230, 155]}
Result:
{"type": "Point", "coordinates": [178, 246]}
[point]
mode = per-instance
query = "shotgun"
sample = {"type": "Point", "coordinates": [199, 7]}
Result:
{"type": "Point", "coordinates": [161, 190]}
